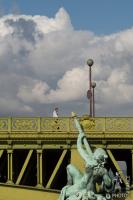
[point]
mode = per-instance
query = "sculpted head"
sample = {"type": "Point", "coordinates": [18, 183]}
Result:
{"type": "Point", "coordinates": [100, 155]}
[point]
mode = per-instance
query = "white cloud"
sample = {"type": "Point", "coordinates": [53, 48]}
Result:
{"type": "Point", "coordinates": [13, 106]}
{"type": "Point", "coordinates": [42, 61]}
{"type": "Point", "coordinates": [69, 88]}
{"type": "Point", "coordinates": [60, 22]}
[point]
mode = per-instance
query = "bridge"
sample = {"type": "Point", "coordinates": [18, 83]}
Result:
{"type": "Point", "coordinates": [34, 151]}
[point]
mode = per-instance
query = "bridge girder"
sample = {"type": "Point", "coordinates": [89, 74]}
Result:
{"type": "Point", "coordinates": [38, 135]}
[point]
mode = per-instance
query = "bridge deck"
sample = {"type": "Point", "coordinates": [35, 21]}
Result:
{"type": "Point", "coordinates": [22, 193]}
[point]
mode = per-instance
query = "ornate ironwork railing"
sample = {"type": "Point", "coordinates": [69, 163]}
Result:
{"type": "Point", "coordinates": [65, 124]}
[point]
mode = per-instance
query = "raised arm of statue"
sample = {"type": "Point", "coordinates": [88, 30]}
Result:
{"type": "Point", "coordinates": [82, 151]}
{"type": "Point", "coordinates": [86, 153]}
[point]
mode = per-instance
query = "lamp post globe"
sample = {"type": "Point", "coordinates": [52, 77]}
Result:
{"type": "Point", "coordinates": [90, 62]}
{"type": "Point", "coordinates": [93, 84]}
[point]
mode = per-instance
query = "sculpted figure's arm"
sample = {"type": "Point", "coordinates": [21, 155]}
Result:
{"type": "Point", "coordinates": [86, 153]}
{"type": "Point", "coordinates": [80, 148]}
{"type": "Point", "coordinates": [107, 183]}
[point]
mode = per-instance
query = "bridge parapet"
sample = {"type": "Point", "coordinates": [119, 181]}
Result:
{"type": "Point", "coordinates": [64, 126]}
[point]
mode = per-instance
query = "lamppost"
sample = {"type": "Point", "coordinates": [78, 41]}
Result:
{"type": "Point", "coordinates": [90, 62]}
{"type": "Point", "coordinates": [93, 85]}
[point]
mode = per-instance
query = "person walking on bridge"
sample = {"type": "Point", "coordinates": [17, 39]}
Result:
{"type": "Point", "coordinates": [55, 112]}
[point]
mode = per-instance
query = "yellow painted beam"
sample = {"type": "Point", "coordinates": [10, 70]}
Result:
{"type": "Point", "coordinates": [9, 163]}
{"type": "Point", "coordinates": [23, 193]}
{"type": "Point", "coordinates": [24, 166]}
{"type": "Point", "coordinates": [77, 161]}
{"type": "Point", "coordinates": [1, 152]}
{"type": "Point", "coordinates": [118, 168]}
{"type": "Point", "coordinates": [39, 169]}
{"type": "Point", "coordinates": [56, 169]}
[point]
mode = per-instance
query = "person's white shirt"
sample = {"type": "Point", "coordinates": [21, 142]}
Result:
{"type": "Point", "coordinates": [55, 114]}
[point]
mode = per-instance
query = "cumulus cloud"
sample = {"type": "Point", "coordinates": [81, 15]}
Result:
{"type": "Point", "coordinates": [43, 63]}
{"type": "Point", "coordinates": [70, 87]}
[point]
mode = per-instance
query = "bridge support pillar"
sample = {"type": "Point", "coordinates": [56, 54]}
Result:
{"type": "Point", "coordinates": [39, 168]}
{"type": "Point", "coordinates": [10, 170]}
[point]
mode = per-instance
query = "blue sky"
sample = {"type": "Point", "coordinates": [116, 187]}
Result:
{"type": "Point", "coordinates": [99, 16]}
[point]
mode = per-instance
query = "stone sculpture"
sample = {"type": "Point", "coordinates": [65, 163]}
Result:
{"type": "Point", "coordinates": [83, 186]}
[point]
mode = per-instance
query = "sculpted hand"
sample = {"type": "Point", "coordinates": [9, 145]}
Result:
{"type": "Point", "coordinates": [73, 114]}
